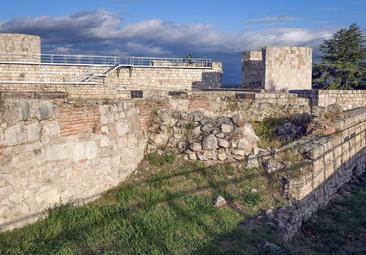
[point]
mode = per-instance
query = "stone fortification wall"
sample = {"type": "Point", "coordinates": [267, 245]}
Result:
{"type": "Point", "coordinates": [20, 48]}
{"type": "Point", "coordinates": [252, 70]}
{"type": "Point", "coordinates": [65, 78]}
{"type": "Point", "coordinates": [288, 67]}
{"type": "Point", "coordinates": [346, 99]}
{"type": "Point", "coordinates": [55, 152]}
{"type": "Point", "coordinates": [332, 162]}
{"type": "Point", "coordinates": [277, 68]}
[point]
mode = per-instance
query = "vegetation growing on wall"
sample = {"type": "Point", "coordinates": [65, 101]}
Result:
{"type": "Point", "coordinates": [268, 130]}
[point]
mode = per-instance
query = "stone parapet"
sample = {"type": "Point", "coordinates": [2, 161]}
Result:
{"type": "Point", "coordinates": [19, 48]}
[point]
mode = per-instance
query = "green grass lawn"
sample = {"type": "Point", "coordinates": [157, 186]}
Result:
{"type": "Point", "coordinates": [166, 207]}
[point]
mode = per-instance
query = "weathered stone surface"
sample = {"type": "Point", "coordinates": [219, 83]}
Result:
{"type": "Point", "coordinates": [15, 135]}
{"type": "Point", "coordinates": [11, 116]}
{"type": "Point", "coordinates": [33, 132]}
{"type": "Point", "coordinates": [122, 128]}
{"type": "Point", "coordinates": [210, 143]}
{"type": "Point", "coordinates": [272, 165]}
{"type": "Point", "coordinates": [83, 151]}
{"type": "Point", "coordinates": [205, 136]}
{"type": "Point", "coordinates": [210, 154]}
{"type": "Point", "coordinates": [220, 202]}
{"type": "Point", "coordinates": [45, 111]}
{"type": "Point", "coordinates": [191, 155]}
{"type": "Point", "coordinates": [226, 128]}
{"type": "Point", "coordinates": [40, 166]}
{"type": "Point", "coordinates": [252, 161]}
{"type": "Point", "coordinates": [24, 110]}
{"type": "Point", "coordinates": [240, 152]}
{"type": "Point", "coordinates": [223, 143]}
{"type": "Point", "coordinates": [239, 120]}
{"type": "Point", "coordinates": [195, 147]}
{"type": "Point", "coordinates": [207, 128]}
{"type": "Point", "coordinates": [50, 128]}
{"type": "Point", "coordinates": [160, 140]}
{"type": "Point", "coordinates": [221, 155]}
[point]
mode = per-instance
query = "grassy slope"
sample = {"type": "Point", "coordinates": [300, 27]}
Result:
{"type": "Point", "coordinates": [340, 228]}
{"type": "Point", "coordinates": [166, 208]}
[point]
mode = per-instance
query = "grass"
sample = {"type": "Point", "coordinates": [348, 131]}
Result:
{"type": "Point", "coordinates": [160, 160]}
{"type": "Point", "coordinates": [166, 207]}
{"type": "Point", "coordinates": [340, 228]}
{"type": "Point", "coordinates": [189, 126]}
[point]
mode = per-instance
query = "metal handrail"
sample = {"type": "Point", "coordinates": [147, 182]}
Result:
{"type": "Point", "coordinates": [170, 62]}
{"type": "Point", "coordinates": [96, 60]}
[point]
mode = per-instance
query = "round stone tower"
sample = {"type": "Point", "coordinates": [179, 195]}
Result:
{"type": "Point", "coordinates": [20, 48]}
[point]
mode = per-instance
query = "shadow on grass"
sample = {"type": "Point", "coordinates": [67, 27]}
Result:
{"type": "Point", "coordinates": [166, 213]}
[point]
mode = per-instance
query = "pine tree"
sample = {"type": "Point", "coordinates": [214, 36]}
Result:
{"type": "Point", "coordinates": [343, 61]}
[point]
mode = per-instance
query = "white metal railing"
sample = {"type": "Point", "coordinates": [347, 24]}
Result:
{"type": "Point", "coordinates": [79, 59]}
{"type": "Point", "coordinates": [96, 60]}
{"type": "Point", "coordinates": [88, 76]}
{"type": "Point", "coordinates": [170, 62]}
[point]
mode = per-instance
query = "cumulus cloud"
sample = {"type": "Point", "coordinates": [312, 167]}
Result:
{"type": "Point", "coordinates": [100, 32]}
{"type": "Point", "coordinates": [272, 20]}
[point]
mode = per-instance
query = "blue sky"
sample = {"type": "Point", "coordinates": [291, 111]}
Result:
{"type": "Point", "coordinates": [173, 28]}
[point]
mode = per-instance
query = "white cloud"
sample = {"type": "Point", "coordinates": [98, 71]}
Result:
{"type": "Point", "coordinates": [272, 20]}
{"type": "Point", "coordinates": [100, 32]}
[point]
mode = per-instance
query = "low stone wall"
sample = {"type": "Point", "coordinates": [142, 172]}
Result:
{"type": "Point", "coordinates": [335, 160]}
{"type": "Point", "coordinates": [346, 99]}
{"type": "Point", "coordinates": [52, 152]}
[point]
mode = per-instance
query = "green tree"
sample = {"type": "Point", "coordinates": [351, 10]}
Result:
{"type": "Point", "coordinates": [342, 64]}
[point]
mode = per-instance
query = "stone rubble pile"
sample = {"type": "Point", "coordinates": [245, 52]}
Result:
{"type": "Point", "coordinates": [200, 137]}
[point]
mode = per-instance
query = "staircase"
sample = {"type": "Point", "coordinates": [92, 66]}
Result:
{"type": "Point", "coordinates": [89, 77]}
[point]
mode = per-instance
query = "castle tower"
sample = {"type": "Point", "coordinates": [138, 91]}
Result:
{"type": "Point", "coordinates": [277, 69]}
{"type": "Point", "coordinates": [20, 48]}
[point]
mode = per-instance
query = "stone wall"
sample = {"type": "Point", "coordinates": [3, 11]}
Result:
{"type": "Point", "coordinates": [20, 48]}
{"type": "Point", "coordinates": [332, 162]}
{"type": "Point", "coordinates": [277, 69]}
{"type": "Point", "coordinates": [67, 78]}
{"type": "Point", "coordinates": [252, 70]}
{"type": "Point", "coordinates": [54, 152]}
{"type": "Point", "coordinates": [61, 150]}
{"type": "Point", "coordinates": [200, 137]}
{"type": "Point", "coordinates": [346, 99]}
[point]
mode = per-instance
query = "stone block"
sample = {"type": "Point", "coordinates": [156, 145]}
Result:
{"type": "Point", "coordinates": [45, 111]}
